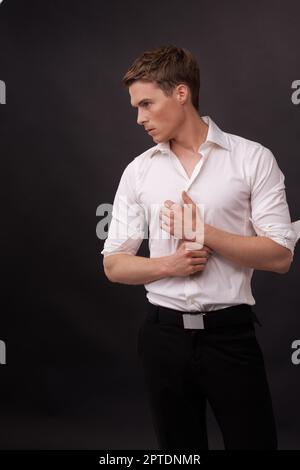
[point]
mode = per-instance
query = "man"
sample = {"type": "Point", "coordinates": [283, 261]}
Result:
{"type": "Point", "coordinates": [197, 341]}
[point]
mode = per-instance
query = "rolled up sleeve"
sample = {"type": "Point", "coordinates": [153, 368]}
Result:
{"type": "Point", "coordinates": [270, 214]}
{"type": "Point", "coordinates": [127, 227]}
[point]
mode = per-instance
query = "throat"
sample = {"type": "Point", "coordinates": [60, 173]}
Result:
{"type": "Point", "coordinates": [189, 162]}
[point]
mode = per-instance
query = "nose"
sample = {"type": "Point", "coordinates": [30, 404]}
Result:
{"type": "Point", "coordinates": [141, 119]}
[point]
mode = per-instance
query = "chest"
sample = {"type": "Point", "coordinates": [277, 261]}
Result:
{"type": "Point", "coordinates": [188, 164]}
{"type": "Point", "coordinates": [185, 163]}
{"type": "Point", "coordinates": [216, 183]}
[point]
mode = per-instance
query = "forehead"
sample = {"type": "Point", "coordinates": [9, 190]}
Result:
{"type": "Point", "coordinates": [141, 90]}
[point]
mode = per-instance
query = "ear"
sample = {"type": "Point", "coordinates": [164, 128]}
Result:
{"type": "Point", "coordinates": [182, 93]}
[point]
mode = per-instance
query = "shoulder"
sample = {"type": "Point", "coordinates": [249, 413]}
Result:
{"type": "Point", "coordinates": [133, 171]}
{"type": "Point", "coordinates": [141, 162]}
{"type": "Point", "coordinates": [239, 143]}
{"type": "Point", "coordinates": [251, 151]}
{"type": "Point", "coordinates": [145, 156]}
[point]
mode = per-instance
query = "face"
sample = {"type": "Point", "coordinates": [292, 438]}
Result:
{"type": "Point", "coordinates": [164, 114]}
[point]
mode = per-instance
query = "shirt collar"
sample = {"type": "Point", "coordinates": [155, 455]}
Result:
{"type": "Point", "coordinates": [214, 135]}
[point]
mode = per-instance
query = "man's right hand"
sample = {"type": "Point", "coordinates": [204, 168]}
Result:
{"type": "Point", "coordinates": [185, 262]}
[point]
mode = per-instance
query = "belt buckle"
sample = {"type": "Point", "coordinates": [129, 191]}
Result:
{"type": "Point", "coordinates": [193, 321]}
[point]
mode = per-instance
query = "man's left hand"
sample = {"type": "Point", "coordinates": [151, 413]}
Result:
{"type": "Point", "coordinates": [183, 222]}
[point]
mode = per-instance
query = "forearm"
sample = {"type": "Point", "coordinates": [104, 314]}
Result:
{"type": "Point", "coordinates": [129, 269]}
{"type": "Point", "coordinates": [260, 253]}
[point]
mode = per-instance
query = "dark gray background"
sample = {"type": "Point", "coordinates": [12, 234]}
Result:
{"type": "Point", "coordinates": [72, 378]}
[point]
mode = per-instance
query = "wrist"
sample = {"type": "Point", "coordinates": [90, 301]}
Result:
{"type": "Point", "coordinates": [207, 232]}
{"type": "Point", "coordinates": [166, 266]}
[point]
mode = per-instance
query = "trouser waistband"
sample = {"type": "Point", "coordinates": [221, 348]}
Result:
{"type": "Point", "coordinates": [234, 315]}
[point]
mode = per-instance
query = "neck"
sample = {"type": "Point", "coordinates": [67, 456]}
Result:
{"type": "Point", "coordinates": [190, 135]}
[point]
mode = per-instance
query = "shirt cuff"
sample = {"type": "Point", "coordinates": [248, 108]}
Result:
{"type": "Point", "coordinates": [284, 234]}
{"type": "Point", "coordinates": [108, 253]}
{"type": "Point", "coordinates": [129, 246]}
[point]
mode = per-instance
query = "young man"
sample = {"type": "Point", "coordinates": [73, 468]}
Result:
{"type": "Point", "coordinates": [197, 341]}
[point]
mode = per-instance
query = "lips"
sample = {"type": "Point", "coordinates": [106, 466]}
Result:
{"type": "Point", "coordinates": [150, 130]}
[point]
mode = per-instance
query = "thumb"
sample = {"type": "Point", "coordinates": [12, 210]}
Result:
{"type": "Point", "coordinates": [186, 198]}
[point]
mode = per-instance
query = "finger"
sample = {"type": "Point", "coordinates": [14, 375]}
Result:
{"type": "Point", "coordinates": [168, 203]}
{"type": "Point", "coordinates": [190, 215]}
{"type": "Point", "coordinates": [197, 269]}
{"type": "Point", "coordinates": [165, 219]}
{"type": "Point", "coordinates": [186, 198]}
{"type": "Point", "coordinates": [165, 211]}
{"type": "Point", "coordinates": [209, 250]}
{"type": "Point", "coordinates": [209, 253]}
{"type": "Point", "coordinates": [198, 253]}
{"type": "Point", "coordinates": [165, 227]}
{"type": "Point", "coordinates": [198, 261]}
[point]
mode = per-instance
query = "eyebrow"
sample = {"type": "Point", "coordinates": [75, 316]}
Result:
{"type": "Point", "coordinates": [141, 102]}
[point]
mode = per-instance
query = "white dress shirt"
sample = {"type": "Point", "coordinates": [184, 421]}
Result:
{"type": "Point", "coordinates": [241, 189]}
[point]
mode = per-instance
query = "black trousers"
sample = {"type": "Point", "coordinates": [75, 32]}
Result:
{"type": "Point", "coordinates": [185, 368]}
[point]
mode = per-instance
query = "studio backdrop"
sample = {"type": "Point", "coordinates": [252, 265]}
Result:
{"type": "Point", "coordinates": [69, 371]}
